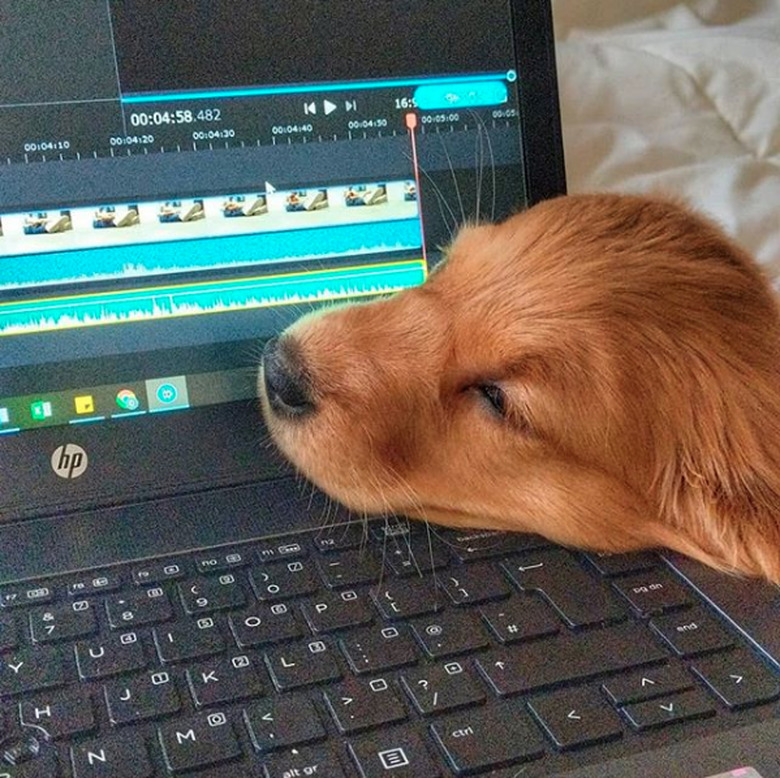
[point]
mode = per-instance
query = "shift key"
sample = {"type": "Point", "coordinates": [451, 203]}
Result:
{"type": "Point", "coordinates": [578, 597]}
{"type": "Point", "coordinates": [568, 657]}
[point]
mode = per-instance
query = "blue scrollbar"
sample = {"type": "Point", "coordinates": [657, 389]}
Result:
{"type": "Point", "coordinates": [469, 94]}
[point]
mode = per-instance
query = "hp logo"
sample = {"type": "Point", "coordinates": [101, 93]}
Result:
{"type": "Point", "coordinates": [69, 461]}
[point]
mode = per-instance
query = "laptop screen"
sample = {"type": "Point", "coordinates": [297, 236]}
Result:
{"type": "Point", "coordinates": [181, 180]}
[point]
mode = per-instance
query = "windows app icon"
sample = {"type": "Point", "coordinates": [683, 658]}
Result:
{"type": "Point", "coordinates": [127, 400]}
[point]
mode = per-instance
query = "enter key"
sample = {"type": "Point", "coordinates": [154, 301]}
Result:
{"type": "Point", "coordinates": [579, 599]}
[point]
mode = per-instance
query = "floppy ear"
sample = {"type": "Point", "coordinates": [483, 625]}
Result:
{"type": "Point", "coordinates": [721, 489]}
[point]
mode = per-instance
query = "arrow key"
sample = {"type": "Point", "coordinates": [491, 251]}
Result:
{"type": "Point", "coordinates": [669, 710]}
{"type": "Point", "coordinates": [577, 718]}
{"type": "Point", "coordinates": [739, 679]}
{"type": "Point", "coordinates": [646, 684]}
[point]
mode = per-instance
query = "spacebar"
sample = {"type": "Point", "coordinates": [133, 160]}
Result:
{"type": "Point", "coordinates": [751, 606]}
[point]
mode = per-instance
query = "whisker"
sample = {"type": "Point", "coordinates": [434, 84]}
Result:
{"type": "Point", "coordinates": [454, 179]}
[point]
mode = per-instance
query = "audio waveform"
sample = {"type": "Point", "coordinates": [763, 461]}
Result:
{"type": "Point", "coordinates": [137, 260]}
{"type": "Point", "coordinates": [135, 305]}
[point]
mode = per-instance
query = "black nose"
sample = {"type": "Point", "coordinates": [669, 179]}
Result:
{"type": "Point", "coordinates": [286, 382]}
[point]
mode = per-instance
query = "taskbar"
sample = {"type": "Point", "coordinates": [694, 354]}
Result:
{"type": "Point", "coordinates": [131, 399]}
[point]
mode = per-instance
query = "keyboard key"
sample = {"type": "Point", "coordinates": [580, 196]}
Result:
{"type": "Point", "coordinates": [568, 657]}
{"type": "Point", "coordinates": [9, 637]}
{"type": "Point", "coordinates": [413, 555]}
{"type": "Point", "coordinates": [375, 649]}
{"type": "Point", "coordinates": [332, 611]}
{"type": "Point", "coordinates": [60, 715]}
{"type": "Point", "coordinates": [18, 597]}
{"type": "Point", "coordinates": [521, 617]}
{"type": "Point", "coordinates": [157, 572]}
{"type": "Point", "coordinates": [112, 655]}
{"type": "Point", "coordinates": [188, 640]}
{"type": "Point", "coordinates": [264, 624]}
{"type": "Point", "coordinates": [222, 561]}
{"type": "Point", "coordinates": [407, 597]}
{"type": "Point", "coordinates": [348, 568]}
{"type": "Point", "coordinates": [450, 633]}
{"type": "Point", "coordinates": [141, 697]}
{"type": "Point", "coordinates": [738, 679]}
{"type": "Point", "coordinates": [578, 597]}
{"type": "Point", "coordinates": [30, 669]}
{"type": "Point", "coordinates": [302, 664]}
{"type": "Point", "coordinates": [468, 545]}
{"type": "Point", "coordinates": [206, 595]}
{"type": "Point", "coordinates": [648, 683]}
{"type": "Point", "coordinates": [281, 580]}
{"type": "Point", "coordinates": [394, 527]}
{"type": "Point", "coordinates": [400, 754]}
{"type": "Point", "coordinates": [653, 592]}
{"type": "Point", "coordinates": [438, 688]}
{"type": "Point", "coordinates": [669, 710]}
{"type": "Point", "coordinates": [98, 584]}
{"type": "Point", "coordinates": [610, 565]}
{"type": "Point", "coordinates": [576, 718]}
{"type": "Point", "coordinates": [277, 551]}
{"type": "Point", "coordinates": [692, 632]}
{"type": "Point", "coordinates": [116, 756]}
{"type": "Point", "coordinates": [198, 741]}
{"type": "Point", "coordinates": [729, 595]}
{"type": "Point", "coordinates": [62, 622]}
{"type": "Point", "coordinates": [224, 680]}
{"type": "Point", "coordinates": [489, 737]}
{"type": "Point", "coordinates": [341, 537]}
{"type": "Point", "coordinates": [280, 722]}
{"type": "Point", "coordinates": [357, 705]}
{"type": "Point", "coordinates": [312, 760]}
{"type": "Point", "coordinates": [147, 606]}
{"type": "Point", "coordinates": [470, 584]}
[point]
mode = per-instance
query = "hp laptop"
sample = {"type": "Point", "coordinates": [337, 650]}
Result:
{"type": "Point", "coordinates": [179, 181]}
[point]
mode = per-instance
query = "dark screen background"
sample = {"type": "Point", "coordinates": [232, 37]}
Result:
{"type": "Point", "coordinates": [203, 44]}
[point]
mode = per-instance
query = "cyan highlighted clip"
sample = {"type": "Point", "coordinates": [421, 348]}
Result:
{"type": "Point", "coordinates": [475, 94]}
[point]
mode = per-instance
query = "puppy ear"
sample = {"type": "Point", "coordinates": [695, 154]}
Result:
{"type": "Point", "coordinates": [721, 489]}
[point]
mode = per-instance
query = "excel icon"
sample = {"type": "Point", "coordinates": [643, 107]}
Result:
{"type": "Point", "coordinates": [40, 410]}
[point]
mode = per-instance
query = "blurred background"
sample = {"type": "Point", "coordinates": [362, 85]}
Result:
{"type": "Point", "coordinates": [681, 98]}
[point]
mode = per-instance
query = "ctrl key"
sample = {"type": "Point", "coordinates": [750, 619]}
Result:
{"type": "Point", "coordinates": [492, 737]}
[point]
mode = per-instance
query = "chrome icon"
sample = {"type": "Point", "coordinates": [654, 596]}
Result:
{"type": "Point", "coordinates": [127, 400]}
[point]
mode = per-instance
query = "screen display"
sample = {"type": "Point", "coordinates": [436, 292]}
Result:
{"type": "Point", "coordinates": [183, 179]}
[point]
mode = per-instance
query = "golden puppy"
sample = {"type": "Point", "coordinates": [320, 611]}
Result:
{"type": "Point", "coordinates": [602, 370]}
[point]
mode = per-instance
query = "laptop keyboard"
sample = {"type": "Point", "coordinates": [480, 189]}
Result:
{"type": "Point", "coordinates": [382, 651]}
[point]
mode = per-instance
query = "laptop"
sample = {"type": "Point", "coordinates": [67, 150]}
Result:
{"type": "Point", "coordinates": [179, 182]}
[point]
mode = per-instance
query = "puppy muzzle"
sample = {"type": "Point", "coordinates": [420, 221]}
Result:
{"type": "Point", "coordinates": [286, 383]}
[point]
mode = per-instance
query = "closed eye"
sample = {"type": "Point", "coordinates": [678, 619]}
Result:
{"type": "Point", "coordinates": [494, 397]}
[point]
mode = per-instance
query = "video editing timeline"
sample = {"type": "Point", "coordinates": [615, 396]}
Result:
{"type": "Point", "coordinates": [185, 235]}
{"type": "Point", "coordinates": [138, 240]}
{"type": "Point", "coordinates": [163, 302]}
{"type": "Point", "coordinates": [262, 116]}
{"type": "Point", "coordinates": [122, 401]}
{"type": "Point", "coordinates": [134, 78]}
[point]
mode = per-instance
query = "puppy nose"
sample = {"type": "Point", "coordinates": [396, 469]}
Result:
{"type": "Point", "coordinates": [286, 383]}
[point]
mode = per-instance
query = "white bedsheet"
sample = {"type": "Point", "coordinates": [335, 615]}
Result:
{"type": "Point", "coordinates": [677, 97]}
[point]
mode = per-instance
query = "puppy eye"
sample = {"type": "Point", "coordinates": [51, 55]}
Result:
{"type": "Point", "coordinates": [495, 397]}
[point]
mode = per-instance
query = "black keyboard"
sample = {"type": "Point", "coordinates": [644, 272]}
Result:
{"type": "Point", "coordinates": [380, 651]}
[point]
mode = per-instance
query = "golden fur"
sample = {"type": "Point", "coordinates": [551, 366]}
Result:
{"type": "Point", "coordinates": [637, 350]}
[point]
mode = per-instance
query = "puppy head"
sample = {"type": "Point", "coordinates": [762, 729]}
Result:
{"type": "Point", "coordinates": [569, 372]}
